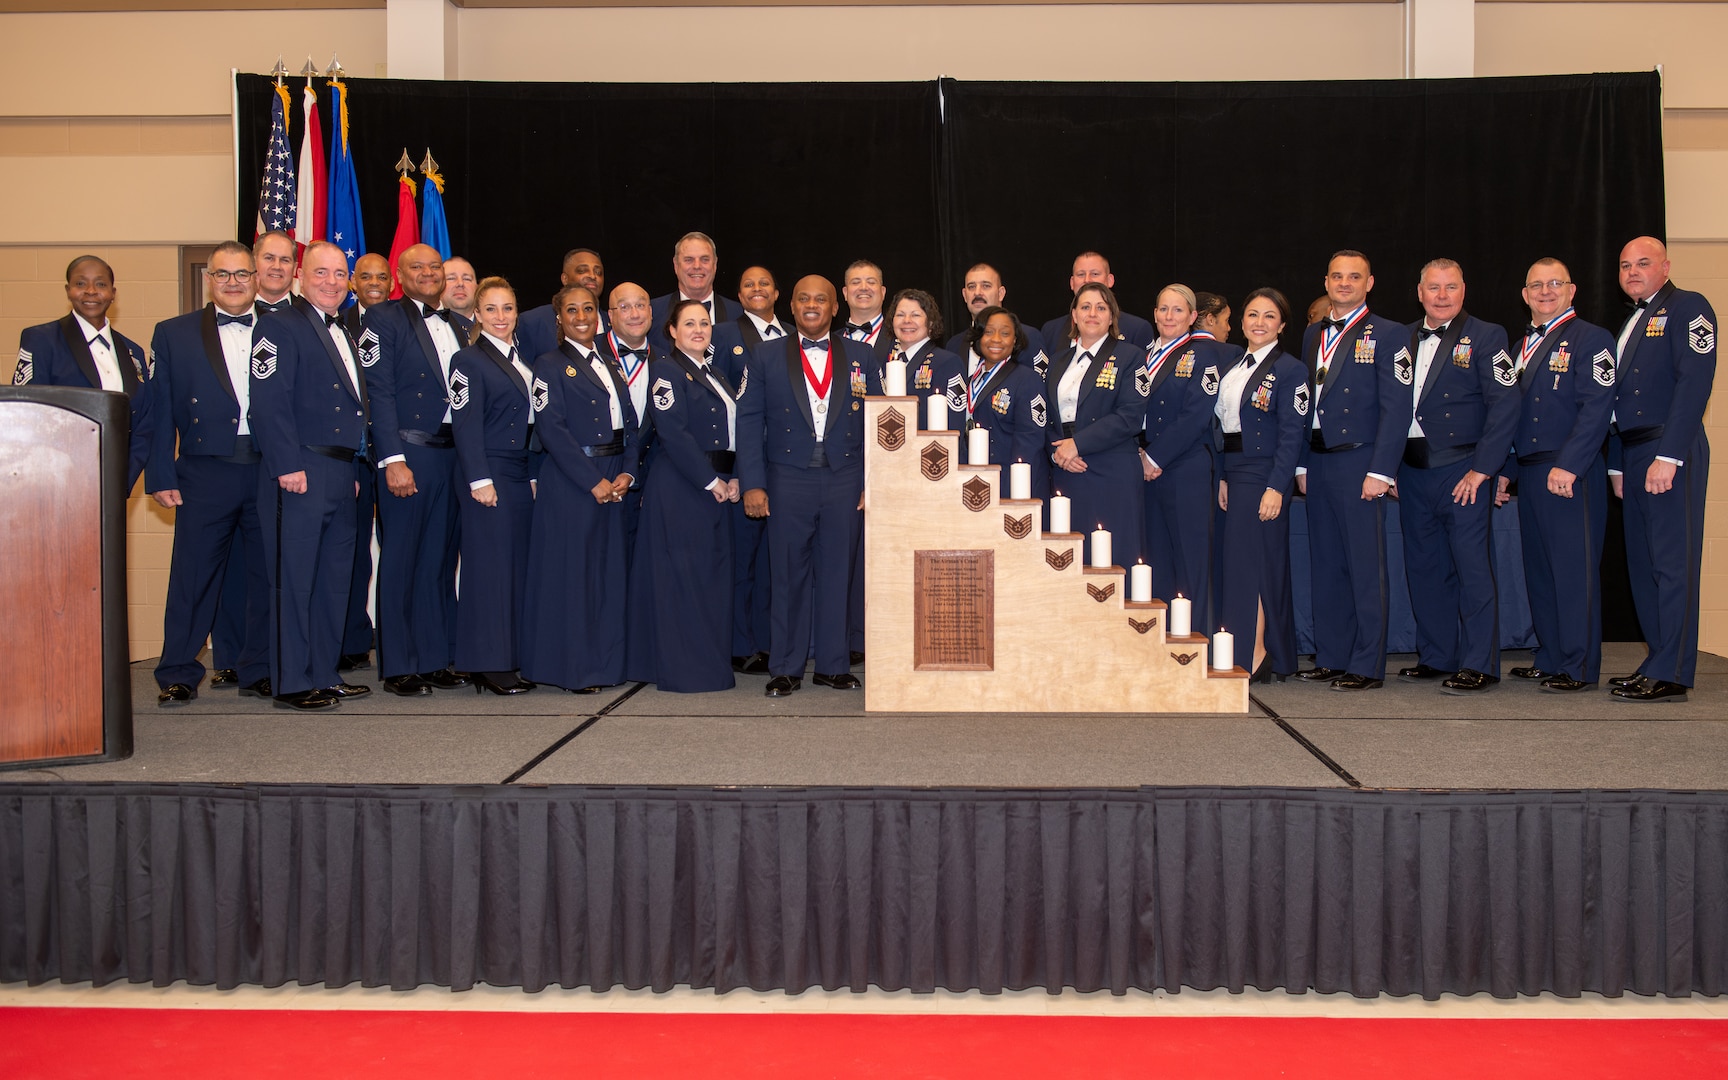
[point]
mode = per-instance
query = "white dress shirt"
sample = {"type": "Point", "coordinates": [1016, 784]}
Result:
{"type": "Point", "coordinates": [603, 372]}
{"type": "Point", "coordinates": [820, 360]}
{"type": "Point", "coordinates": [1231, 388]}
{"type": "Point", "coordinates": [237, 355]}
{"type": "Point", "coordinates": [104, 352]}
{"type": "Point", "coordinates": [1074, 380]}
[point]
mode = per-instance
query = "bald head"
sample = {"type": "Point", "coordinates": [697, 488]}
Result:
{"type": "Point", "coordinates": [1643, 267]}
{"type": "Point", "coordinates": [814, 305]}
{"type": "Point", "coordinates": [371, 280]}
{"type": "Point", "coordinates": [420, 269]}
{"type": "Point", "coordinates": [630, 312]}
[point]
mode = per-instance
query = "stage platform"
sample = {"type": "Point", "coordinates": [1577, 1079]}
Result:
{"type": "Point", "coordinates": [1397, 841]}
{"type": "Point", "coordinates": [1403, 736]}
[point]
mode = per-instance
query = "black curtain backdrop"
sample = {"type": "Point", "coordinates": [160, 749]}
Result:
{"type": "Point", "coordinates": [1367, 892]}
{"type": "Point", "coordinates": [1224, 186]}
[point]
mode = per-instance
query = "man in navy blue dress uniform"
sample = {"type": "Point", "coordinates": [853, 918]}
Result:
{"type": "Point", "coordinates": [801, 465]}
{"type": "Point", "coordinates": [630, 347]}
{"type": "Point", "coordinates": [1464, 410]}
{"type": "Point", "coordinates": [1091, 266]}
{"type": "Point", "coordinates": [201, 392]}
{"type": "Point", "coordinates": [537, 329]}
{"type": "Point", "coordinates": [308, 417]}
{"type": "Point", "coordinates": [370, 283]}
{"type": "Point", "coordinates": [409, 384]}
{"type": "Point", "coordinates": [1565, 375]}
{"type": "Point", "coordinates": [84, 349]}
{"type": "Point", "coordinates": [757, 293]}
{"type": "Point", "coordinates": [1360, 368]}
{"type": "Point", "coordinates": [696, 264]}
{"type": "Point", "coordinates": [1667, 364]}
{"type": "Point", "coordinates": [982, 289]}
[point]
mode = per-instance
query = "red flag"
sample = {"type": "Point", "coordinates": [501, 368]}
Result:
{"type": "Point", "coordinates": [314, 193]}
{"type": "Point", "coordinates": [407, 231]}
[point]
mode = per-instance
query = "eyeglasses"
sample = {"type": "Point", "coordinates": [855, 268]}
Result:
{"type": "Point", "coordinates": [223, 277]}
{"type": "Point", "coordinates": [1556, 284]}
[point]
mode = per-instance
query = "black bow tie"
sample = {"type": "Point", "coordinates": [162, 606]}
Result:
{"type": "Point", "coordinates": [1638, 305]}
{"type": "Point", "coordinates": [1534, 331]}
{"type": "Point", "coordinates": [1424, 333]}
{"type": "Point", "coordinates": [1331, 324]}
{"type": "Point", "coordinates": [771, 331]}
{"type": "Point", "coordinates": [332, 320]}
{"type": "Point", "coordinates": [857, 328]}
{"type": "Point", "coordinates": [225, 319]}
{"type": "Point", "coordinates": [434, 313]}
{"type": "Point", "coordinates": [280, 305]}
{"type": "Point", "coordinates": [808, 344]}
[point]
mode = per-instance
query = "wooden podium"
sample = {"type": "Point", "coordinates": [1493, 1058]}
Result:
{"type": "Point", "coordinates": [63, 459]}
{"type": "Point", "coordinates": [972, 607]}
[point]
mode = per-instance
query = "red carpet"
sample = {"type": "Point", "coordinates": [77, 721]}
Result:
{"type": "Point", "coordinates": [190, 1043]}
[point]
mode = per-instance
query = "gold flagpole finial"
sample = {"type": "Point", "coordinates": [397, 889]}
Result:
{"type": "Point", "coordinates": [428, 165]}
{"type": "Point", "coordinates": [403, 164]}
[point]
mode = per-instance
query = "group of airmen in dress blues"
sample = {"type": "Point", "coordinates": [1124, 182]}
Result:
{"type": "Point", "coordinates": [612, 487]}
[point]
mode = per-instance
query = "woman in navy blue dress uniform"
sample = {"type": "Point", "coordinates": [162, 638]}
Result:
{"type": "Point", "coordinates": [1097, 387]}
{"type": "Point", "coordinates": [930, 369]}
{"type": "Point", "coordinates": [1262, 412]}
{"type": "Point", "coordinates": [573, 618]}
{"type": "Point", "coordinates": [681, 579]}
{"type": "Point", "coordinates": [1007, 398]}
{"type": "Point", "coordinates": [83, 349]}
{"type": "Point", "coordinates": [492, 417]}
{"type": "Point", "coordinates": [1176, 461]}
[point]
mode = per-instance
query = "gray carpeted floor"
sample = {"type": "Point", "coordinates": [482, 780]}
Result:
{"type": "Point", "coordinates": [1401, 736]}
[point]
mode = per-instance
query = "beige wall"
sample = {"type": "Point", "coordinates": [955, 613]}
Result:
{"type": "Point", "coordinates": [152, 144]}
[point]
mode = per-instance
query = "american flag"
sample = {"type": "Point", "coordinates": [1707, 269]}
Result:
{"type": "Point", "coordinates": [277, 195]}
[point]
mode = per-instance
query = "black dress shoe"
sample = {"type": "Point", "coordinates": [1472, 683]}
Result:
{"type": "Point", "coordinates": [1468, 681]}
{"type": "Point", "coordinates": [1531, 673]}
{"type": "Point", "coordinates": [1633, 679]}
{"type": "Point", "coordinates": [843, 681]}
{"type": "Point", "coordinates": [500, 682]}
{"type": "Point", "coordinates": [782, 685]}
{"type": "Point", "coordinates": [354, 661]}
{"type": "Point", "coordinates": [177, 694]}
{"type": "Point", "coordinates": [1421, 672]}
{"type": "Point", "coordinates": [407, 686]}
{"type": "Point", "coordinates": [307, 699]}
{"type": "Point", "coordinates": [347, 690]}
{"type": "Point", "coordinates": [224, 677]}
{"type": "Point", "coordinates": [1320, 674]}
{"type": "Point", "coordinates": [1265, 674]}
{"type": "Point", "coordinates": [856, 657]}
{"type": "Point", "coordinates": [754, 664]}
{"type": "Point", "coordinates": [1564, 684]}
{"type": "Point", "coordinates": [583, 689]}
{"type": "Point", "coordinates": [1651, 690]}
{"type": "Point", "coordinates": [261, 688]}
{"type": "Point", "coordinates": [1356, 682]}
{"type": "Point", "coordinates": [444, 679]}
{"type": "Point", "coordinates": [525, 683]}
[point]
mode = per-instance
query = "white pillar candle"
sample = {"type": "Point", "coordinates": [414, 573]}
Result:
{"type": "Point", "coordinates": [978, 446]}
{"type": "Point", "coordinates": [1101, 547]}
{"type": "Point", "coordinates": [937, 419]}
{"type": "Point", "coordinates": [1140, 583]}
{"type": "Point", "coordinates": [1223, 650]}
{"type": "Point", "coordinates": [1181, 616]}
{"type": "Point", "coordinates": [894, 379]}
{"type": "Point", "coordinates": [1020, 480]}
{"type": "Point", "coordinates": [1059, 506]}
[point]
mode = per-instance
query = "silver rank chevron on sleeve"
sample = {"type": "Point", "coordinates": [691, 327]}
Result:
{"type": "Point", "coordinates": [1602, 367]}
{"type": "Point", "coordinates": [1701, 335]}
{"type": "Point", "coordinates": [662, 391]}
{"type": "Point", "coordinates": [1505, 368]}
{"type": "Point", "coordinates": [458, 390]}
{"type": "Point", "coordinates": [542, 394]}
{"type": "Point", "coordinates": [1404, 367]}
{"type": "Point", "coordinates": [26, 369]}
{"type": "Point", "coordinates": [264, 359]}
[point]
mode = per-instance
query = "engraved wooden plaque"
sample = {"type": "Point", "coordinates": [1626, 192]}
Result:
{"type": "Point", "coordinates": [954, 611]}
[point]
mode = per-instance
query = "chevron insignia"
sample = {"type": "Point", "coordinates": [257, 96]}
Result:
{"type": "Point", "coordinates": [891, 429]}
{"type": "Point", "coordinates": [933, 461]}
{"type": "Point", "coordinates": [1017, 528]}
{"type": "Point", "coordinates": [1143, 627]}
{"type": "Point", "coordinates": [1184, 658]}
{"type": "Point", "coordinates": [975, 494]}
{"type": "Point", "coordinates": [263, 359]}
{"type": "Point", "coordinates": [1059, 562]}
{"type": "Point", "coordinates": [1103, 594]}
